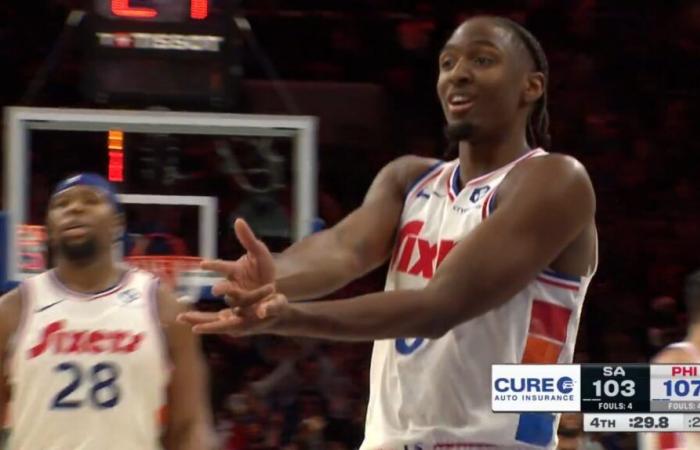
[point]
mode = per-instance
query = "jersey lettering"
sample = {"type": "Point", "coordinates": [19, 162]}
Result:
{"type": "Point", "coordinates": [58, 340]}
{"type": "Point", "coordinates": [430, 255]}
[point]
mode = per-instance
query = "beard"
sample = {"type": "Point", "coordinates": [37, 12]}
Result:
{"type": "Point", "coordinates": [456, 132]}
{"type": "Point", "coordinates": [460, 131]}
{"type": "Point", "coordinates": [82, 252]}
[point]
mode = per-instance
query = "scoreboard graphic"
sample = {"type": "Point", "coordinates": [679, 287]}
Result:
{"type": "Point", "coordinates": [613, 397]}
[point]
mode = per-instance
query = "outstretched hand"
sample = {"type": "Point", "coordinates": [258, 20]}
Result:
{"type": "Point", "coordinates": [249, 291]}
{"type": "Point", "coordinates": [259, 311]}
{"type": "Point", "coordinates": [251, 271]}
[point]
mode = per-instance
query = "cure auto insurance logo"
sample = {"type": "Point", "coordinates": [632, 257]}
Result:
{"type": "Point", "coordinates": [535, 387]}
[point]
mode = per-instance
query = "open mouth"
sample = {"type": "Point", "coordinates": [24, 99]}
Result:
{"type": "Point", "coordinates": [459, 103]}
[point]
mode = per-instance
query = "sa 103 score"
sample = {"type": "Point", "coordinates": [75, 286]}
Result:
{"type": "Point", "coordinates": [608, 388]}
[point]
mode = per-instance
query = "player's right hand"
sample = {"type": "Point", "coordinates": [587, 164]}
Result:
{"type": "Point", "coordinates": [254, 269]}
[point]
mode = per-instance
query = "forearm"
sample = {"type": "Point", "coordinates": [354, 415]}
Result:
{"type": "Point", "coordinates": [382, 315]}
{"type": "Point", "coordinates": [315, 266]}
{"type": "Point", "coordinates": [191, 436]}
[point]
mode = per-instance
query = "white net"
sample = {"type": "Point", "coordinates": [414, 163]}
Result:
{"type": "Point", "coordinates": [181, 273]}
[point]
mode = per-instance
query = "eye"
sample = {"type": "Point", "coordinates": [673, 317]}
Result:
{"type": "Point", "coordinates": [91, 200]}
{"type": "Point", "coordinates": [60, 203]}
{"type": "Point", "coordinates": [483, 61]}
{"type": "Point", "coordinates": [447, 62]}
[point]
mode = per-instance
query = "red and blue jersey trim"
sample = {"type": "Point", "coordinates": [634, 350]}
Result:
{"type": "Point", "coordinates": [489, 204]}
{"type": "Point", "coordinates": [453, 181]}
{"type": "Point", "coordinates": [453, 187]}
{"type": "Point", "coordinates": [560, 280]}
{"type": "Point", "coordinates": [422, 181]}
{"type": "Point", "coordinates": [422, 176]}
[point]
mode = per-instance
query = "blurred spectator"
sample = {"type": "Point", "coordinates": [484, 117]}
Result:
{"type": "Point", "coordinates": [666, 324]}
{"type": "Point", "coordinates": [571, 435]}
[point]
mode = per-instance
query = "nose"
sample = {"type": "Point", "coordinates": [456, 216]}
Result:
{"type": "Point", "coordinates": [75, 206]}
{"type": "Point", "coordinates": [460, 73]}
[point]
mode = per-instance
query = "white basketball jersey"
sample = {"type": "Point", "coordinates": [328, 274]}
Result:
{"type": "Point", "coordinates": [88, 372]}
{"type": "Point", "coordinates": [435, 393]}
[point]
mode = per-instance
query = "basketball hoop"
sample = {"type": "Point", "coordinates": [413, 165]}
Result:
{"type": "Point", "coordinates": [181, 273]}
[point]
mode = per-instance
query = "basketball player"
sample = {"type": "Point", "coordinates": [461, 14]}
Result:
{"type": "Point", "coordinates": [685, 352]}
{"type": "Point", "coordinates": [491, 255]}
{"type": "Point", "coordinates": [92, 349]}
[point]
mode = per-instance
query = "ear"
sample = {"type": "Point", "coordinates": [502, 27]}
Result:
{"type": "Point", "coordinates": [49, 229]}
{"type": "Point", "coordinates": [49, 233]}
{"type": "Point", "coordinates": [118, 226]}
{"type": "Point", "coordinates": [534, 87]}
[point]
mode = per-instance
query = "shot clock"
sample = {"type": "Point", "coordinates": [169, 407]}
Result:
{"type": "Point", "coordinates": [154, 10]}
{"type": "Point", "coordinates": [181, 54]}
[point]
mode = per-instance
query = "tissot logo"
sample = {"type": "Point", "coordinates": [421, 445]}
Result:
{"type": "Point", "coordinates": [161, 41]}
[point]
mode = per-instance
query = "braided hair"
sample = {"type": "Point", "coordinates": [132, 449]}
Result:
{"type": "Point", "coordinates": [538, 122]}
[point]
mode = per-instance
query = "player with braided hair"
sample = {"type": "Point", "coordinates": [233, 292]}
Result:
{"type": "Point", "coordinates": [490, 256]}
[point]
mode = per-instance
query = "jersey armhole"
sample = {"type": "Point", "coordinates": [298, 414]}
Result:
{"type": "Point", "coordinates": [421, 178]}
{"type": "Point", "coordinates": [489, 204]}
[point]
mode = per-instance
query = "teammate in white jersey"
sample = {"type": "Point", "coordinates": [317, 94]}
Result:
{"type": "Point", "coordinates": [685, 352]}
{"type": "Point", "coordinates": [92, 351]}
{"type": "Point", "coordinates": [491, 255]}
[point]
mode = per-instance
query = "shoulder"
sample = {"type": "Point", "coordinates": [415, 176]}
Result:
{"type": "Point", "coordinates": [10, 301]}
{"type": "Point", "coordinates": [550, 168]}
{"type": "Point", "coordinates": [407, 169]}
{"type": "Point", "coordinates": [674, 354]}
{"type": "Point", "coordinates": [550, 177]}
{"type": "Point", "coordinates": [181, 343]}
{"type": "Point", "coordinates": [10, 312]}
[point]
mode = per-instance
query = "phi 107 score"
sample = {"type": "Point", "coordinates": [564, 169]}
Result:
{"type": "Point", "coordinates": [682, 388]}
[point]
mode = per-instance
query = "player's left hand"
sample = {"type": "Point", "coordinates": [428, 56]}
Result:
{"type": "Point", "coordinates": [264, 311]}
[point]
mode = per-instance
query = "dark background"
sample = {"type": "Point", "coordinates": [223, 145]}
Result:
{"type": "Point", "coordinates": [623, 100]}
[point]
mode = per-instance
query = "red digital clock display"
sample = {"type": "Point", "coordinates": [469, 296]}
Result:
{"type": "Point", "coordinates": [134, 9]}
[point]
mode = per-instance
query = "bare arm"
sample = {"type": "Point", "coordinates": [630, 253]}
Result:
{"type": "Point", "coordinates": [10, 313]}
{"type": "Point", "coordinates": [189, 424]}
{"type": "Point", "coordinates": [361, 242]}
{"type": "Point", "coordinates": [543, 209]}
{"type": "Point", "coordinates": [328, 260]}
